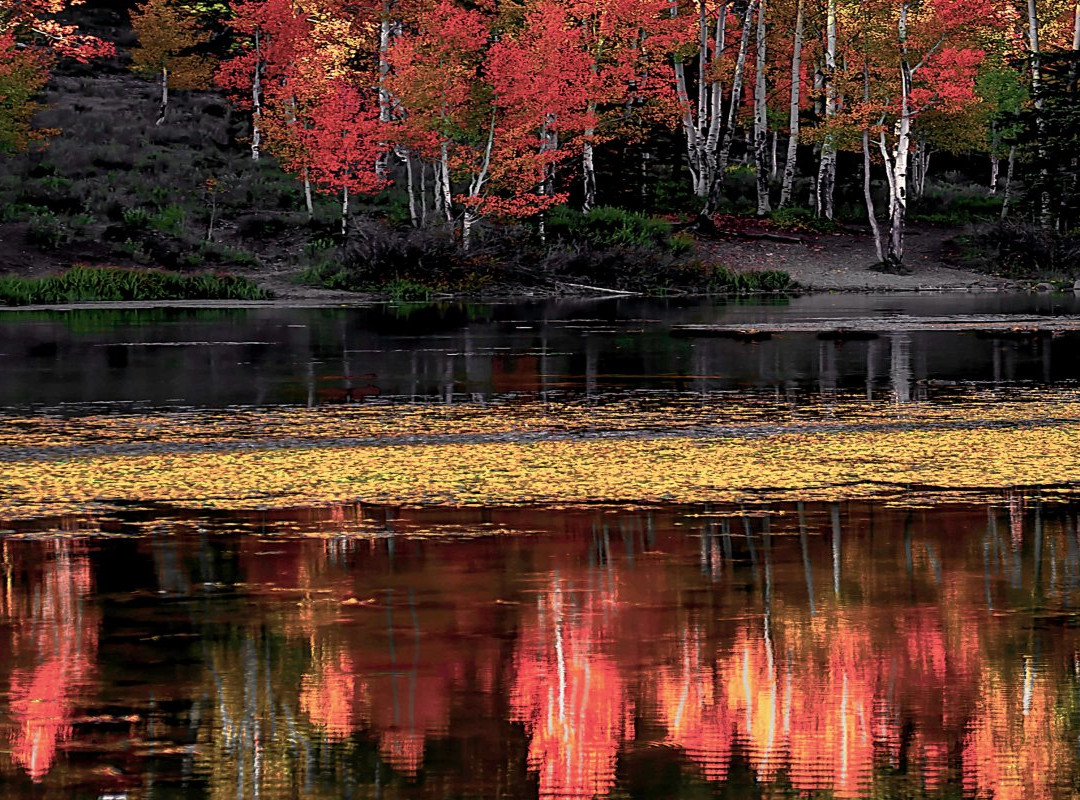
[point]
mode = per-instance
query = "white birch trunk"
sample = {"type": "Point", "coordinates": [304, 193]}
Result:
{"type": "Point", "coordinates": [868, 193]}
{"type": "Point", "coordinates": [761, 120]}
{"type": "Point", "coordinates": [894, 254]}
{"type": "Point", "coordinates": [827, 168]}
{"type": "Point", "coordinates": [382, 160]}
{"type": "Point", "coordinates": [476, 187]}
{"type": "Point", "coordinates": [309, 203]}
{"type": "Point", "coordinates": [444, 183]}
{"type": "Point", "coordinates": [995, 172]}
{"type": "Point", "coordinates": [702, 120]}
{"type": "Point", "coordinates": [345, 211]}
{"type": "Point", "coordinates": [793, 110]}
{"type": "Point", "coordinates": [733, 111]}
{"type": "Point", "coordinates": [1006, 194]}
{"type": "Point", "coordinates": [588, 165]}
{"type": "Point", "coordinates": [256, 101]}
{"type": "Point", "coordinates": [1045, 212]}
{"type": "Point", "coordinates": [1076, 28]}
{"type": "Point", "coordinates": [468, 220]}
{"type": "Point", "coordinates": [410, 179]}
{"type": "Point", "coordinates": [164, 96]}
{"type": "Point", "coordinates": [423, 194]}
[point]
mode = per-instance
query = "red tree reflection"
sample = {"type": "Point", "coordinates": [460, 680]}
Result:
{"type": "Point", "coordinates": [54, 645]}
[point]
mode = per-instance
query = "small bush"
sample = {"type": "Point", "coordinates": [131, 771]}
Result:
{"type": "Point", "coordinates": [170, 219]}
{"type": "Point", "coordinates": [608, 227]}
{"type": "Point", "coordinates": [12, 212]}
{"type": "Point", "coordinates": [85, 284]}
{"type": "Point", "coordinates": [801, 219]}
{"type": "Point", "coordinates": [1021, 250]}
{"type": "Point", "coordinates": [401, 290]}
{"type": "Point", "coordinates": [137, 218]}
{"type": "Point", "coordinates": [47, 231]}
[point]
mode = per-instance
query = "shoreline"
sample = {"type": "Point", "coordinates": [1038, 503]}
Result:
{"type": "Point", "coordinates": [367, 301]}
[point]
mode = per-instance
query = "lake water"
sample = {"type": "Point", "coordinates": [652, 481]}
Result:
{"type": "Point", "coordinates": [550, 550]}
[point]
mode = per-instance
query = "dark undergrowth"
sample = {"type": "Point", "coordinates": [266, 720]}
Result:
{"type": "Point", "coordinates": [1020, 250]}
{"type": "Point", "coordinates": [87, 284]}
{"type": "Point", "coordinates": [631, 253]}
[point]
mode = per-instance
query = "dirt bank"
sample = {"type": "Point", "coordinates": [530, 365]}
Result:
{"type": "Point", "coordinates": [840, 262]}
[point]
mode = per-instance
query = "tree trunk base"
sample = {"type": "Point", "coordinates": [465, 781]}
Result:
{"type": "Point", "coordinates": [891, 267]}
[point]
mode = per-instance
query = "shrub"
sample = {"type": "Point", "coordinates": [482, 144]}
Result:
{"type": "Point", "coordinates": [47, 231]}
{"type": "Point", "coordinates": [401, 290]}
{"type": "Point", "coordinates": [135, 217]}
{"type": "Point", "coordinates": [1021, 250]}
{"type": "Point", "coordinates": [801, 219]}
{"type": "Point", "coordinates": [169, 219]}
{"type": "Point", "coordinates": [605, 226]}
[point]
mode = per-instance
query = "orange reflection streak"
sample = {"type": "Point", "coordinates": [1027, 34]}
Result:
{"type": "Point", "coordinates": [59, 635]}
{"type": "Point", "coordinates": [692, 706]}
{"type": "Point", "coordinates": [1004, 760]}
{"type": "Point", "coordinates": [570, 697]}
{"type": "Point", "coordinates": [328, 694]}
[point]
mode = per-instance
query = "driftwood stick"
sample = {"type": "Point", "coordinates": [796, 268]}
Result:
{"type": "Point", "coordinates": [603, 289]}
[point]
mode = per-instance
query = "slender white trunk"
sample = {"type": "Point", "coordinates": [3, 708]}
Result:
{"type": "Point", "coordinates": [901, 151]}
{"type": "Point", "coordinates": [868, 193]}
{"type": "Point", "coordinates": [588, 165]}
{"type": "Point", "coordinates": [701, 120]}
{"type": "Point", "coordinates": [476, 187]}
{"type": "Point", "coordinates": [733, 110]}
{"type": "Point", "coordinates": [309, 203]}
{"type": "Point", "coordinates": [410, 179]}
{"type": "Point", "coordinates": [345, 211]}
{"type": "Point", "coordinates": [898, 216]}
{"type": "Point", "coordinates": [995, 171]}
{"type": "Point", "coordinates": [1076, 28]}
{"type": "Point", "coordinates": [761, 120]}
{"type": "Point", "coordinates": [444, 183]}
{"type": "Point", "coordinates": [793, 109]}
{"type": "Point", "coordinates": [1045, 211]}
{"type": "Point", "coordinates": [827, 168]}
{"type": "Point", "coordinates": [256, 101]}
{"type": "Point", "coordinates": [382, 160]}
{"type": "Point", "coordinates": [774, 167]}
{"type": "Point", "coordinates": [468, 220]}
{"type": "Point", "coordinates": [423, 194]}
{"type": "Point", "coordinates": [1006, 194]}
{"type": "Point", "coordinates": [164, 96]}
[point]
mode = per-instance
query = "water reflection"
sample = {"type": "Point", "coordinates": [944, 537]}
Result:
{"type": "Point", "coordinates": [52, 633]}
{"type": "Point", "coordinates": [318, 357]}
{"type": "Point", "coordinates": [852, 649]}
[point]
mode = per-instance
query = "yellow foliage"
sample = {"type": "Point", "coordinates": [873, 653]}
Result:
{"type": "Point", "coordinates": [168, 38]}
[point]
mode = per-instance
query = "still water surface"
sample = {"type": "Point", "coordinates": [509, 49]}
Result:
{"type": "Point", "coordinates": [797, 630]}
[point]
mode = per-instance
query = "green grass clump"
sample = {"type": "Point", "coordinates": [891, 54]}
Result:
{"type": "Point", "coordinates": [87, 284]}
{"type": "Point", "coordinates": [610, 227]}
{"type": "Point", "coordinates": [802, 220]}
{"type": "Point", "coordinates": [403, 290]}
{"type": "Point", "coordinates": [726, 281]}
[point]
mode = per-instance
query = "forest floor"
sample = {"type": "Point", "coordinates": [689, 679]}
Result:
{"type": "Point", "coordinates": [831, 262]}
{"type": "Point", "coordinates": [841, 262]}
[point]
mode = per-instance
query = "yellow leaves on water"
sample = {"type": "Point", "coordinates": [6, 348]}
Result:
{"type": "Point", "coordinates": [637, 414]}
{"type": "Point", "coordinates": [808, 466]}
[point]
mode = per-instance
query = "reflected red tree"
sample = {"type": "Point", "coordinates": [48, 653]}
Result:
{"type": "Point", "coordinates": [53, 651]}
